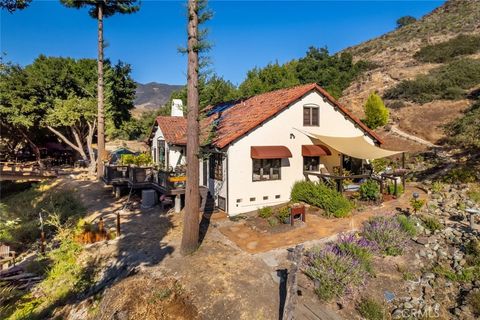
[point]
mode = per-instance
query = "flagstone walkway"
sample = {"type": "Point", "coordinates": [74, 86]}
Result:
{"type": "Point", "coordinates": [315, 228]}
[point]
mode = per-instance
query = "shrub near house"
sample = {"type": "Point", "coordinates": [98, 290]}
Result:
{"type": "Point", "coordinates": [320, 195]}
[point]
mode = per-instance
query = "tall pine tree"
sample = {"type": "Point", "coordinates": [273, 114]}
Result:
{"type": "Point", "coordinates": [100, 9]}
{"type": "Point", "coordinates": [197, 14]}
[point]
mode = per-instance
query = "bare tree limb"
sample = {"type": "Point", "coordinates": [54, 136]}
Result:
{"type": "Point", "coordinates": [64, 139]}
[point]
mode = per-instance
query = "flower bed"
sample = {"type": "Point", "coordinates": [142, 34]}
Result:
{"type": "Point", "coordinates": [342, 266]}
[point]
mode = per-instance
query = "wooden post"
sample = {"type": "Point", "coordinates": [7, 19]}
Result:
{"type": "Point", "coordinates": [291, 299]}
{"type": "Point", "coordinates": [42, 242]}
{"type": "Point", "coordinates": [118, 224]}
{"type": "Point", "coordinates": [101, 225]}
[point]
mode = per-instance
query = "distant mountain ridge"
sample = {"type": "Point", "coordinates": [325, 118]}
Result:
{"type": "Point", "coordinates": [153, 95]}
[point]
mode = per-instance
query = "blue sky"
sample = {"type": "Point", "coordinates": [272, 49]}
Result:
{"type": "Point", "coordinates": [245, 34]}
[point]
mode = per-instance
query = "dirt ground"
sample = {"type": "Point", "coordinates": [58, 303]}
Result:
{"type": "Point", "coordinates": [220, 281]}
{"type": "Point", "coordinates": [224, 279]}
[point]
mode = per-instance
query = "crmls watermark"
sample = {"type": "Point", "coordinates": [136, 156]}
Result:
{"type": "Point", "coordinates": [426, 312]}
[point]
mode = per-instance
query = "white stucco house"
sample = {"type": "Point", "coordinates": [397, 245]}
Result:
{"type": "Point", "coordinates": [259, 146]}
{"type": "Point", "coordinates": [168, 140]}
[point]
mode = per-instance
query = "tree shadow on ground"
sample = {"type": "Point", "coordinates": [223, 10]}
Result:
{"type": "Point", "coordinates": [207, 212]}
{"type": "Point", "coordinates": [141, 244]}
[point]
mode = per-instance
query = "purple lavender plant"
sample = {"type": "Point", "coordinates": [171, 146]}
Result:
{"type": "Point", "coordinates": [353, 238]}
{"type": "Point", "coordinates": [334, 272]}
{"type": "Point", "coordinates": [386, 233]}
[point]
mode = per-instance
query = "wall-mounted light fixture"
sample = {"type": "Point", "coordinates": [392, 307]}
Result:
{"type": "Point", "coordinates": [292, 136]}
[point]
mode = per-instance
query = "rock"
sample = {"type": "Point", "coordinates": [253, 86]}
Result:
{"type": "Point", "coordinates": [408, 305]}
{"type": "Point", "coordinates": [397, 314]}
{"type": "Point", "coordinates": [428, 276]}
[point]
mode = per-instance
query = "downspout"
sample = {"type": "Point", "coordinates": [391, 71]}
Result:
{"type": "Point", "coordinates": [228, 179]}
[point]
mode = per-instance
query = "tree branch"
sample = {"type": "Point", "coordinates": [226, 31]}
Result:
{"type": "Point", "coordinates": [64, 139]}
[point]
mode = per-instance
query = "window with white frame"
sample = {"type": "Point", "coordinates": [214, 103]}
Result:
{"type": "Point", "coordinates": [266, 169]}
{"type": "Point", "coordinates": [310, 116]}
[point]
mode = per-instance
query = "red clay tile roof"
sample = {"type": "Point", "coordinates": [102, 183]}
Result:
{"type": "Point", "coordinates": [245, 115]}
{"type": "Point", "coordinates": [174, 129]}
{"type": "Point", "coordinates": [248, 114]}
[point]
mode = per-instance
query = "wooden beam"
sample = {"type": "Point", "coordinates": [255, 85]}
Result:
{"type": "Point", "coordinates": [291, 299]}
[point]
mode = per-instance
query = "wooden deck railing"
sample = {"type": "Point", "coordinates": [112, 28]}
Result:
{"type": "Point", "coordinates": [115, 172]}
{"type": "Point", "coordinates": [141, 177]}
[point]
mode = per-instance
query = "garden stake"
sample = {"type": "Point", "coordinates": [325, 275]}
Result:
{"type": "Point", "coordinates": [118, 224]}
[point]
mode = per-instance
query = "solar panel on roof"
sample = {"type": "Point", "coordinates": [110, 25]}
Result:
{"type": "Point", "coordinates": [221, 107]}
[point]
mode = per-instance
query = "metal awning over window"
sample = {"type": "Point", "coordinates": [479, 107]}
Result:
{"type": "Point", "coordinates": [315, 150]}
{"type": "Point", "coordinates": [270, 152]}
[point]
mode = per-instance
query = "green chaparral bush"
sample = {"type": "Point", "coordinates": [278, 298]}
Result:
{"type": "Point", "coordinates": [467, 274]}
{"type": "Point", "coordinates": [19, 213]}
{"type": "Point", "coordinates": [320, 195]}
{"type": "Point", "coordinates": [474, 302]}
{"type": "Point", "coordinates": [437, 186]}
{"type": "Point", "coordinates": [473, 253]}
{"type": "Point", "coordinates": [474, 193]}
{"type": "Point", "coordinates": [405, 21]}
{"type": "Point", "coordinates": [408, 225]}
{"type": "Point", "coordinates": [461, 175]}
{"type": "Point", "coordinates": [448, 82]}
{"type": "Point", "coordinates": [431, 223]}
{"type": "Point", "coordinates": [265, 212]}
{"type": "Point", "coordinates": [283, 214]}
{"type": "Point", "coordinates": [391, 189]}
{"type": "Point", "coordinates": [464, 131]}
{"type": "Point", "coordinates": [417, 204]}
{"type": "Point", "coordinates": [64, 276]}
{"type": "Point", "coordinates": [446, 51]}
{"type": "Point", "coordinates": [370, 190]}
{"type": "Point", "coordinates": [376, 114]}
{"type": "Point", "coordinates": [379, 165]}
{"type": "Point", "coordinates": [370, 309]}
{"type": "Point", "coordinates": [272, 221]}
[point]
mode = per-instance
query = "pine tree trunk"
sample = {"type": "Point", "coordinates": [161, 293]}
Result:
{"type": "Point", "coordinates": [91, 154]}
{"type": "Point", "coordinates": [101, 116]}
{"type": "Point", "coordinates": [192, 195]}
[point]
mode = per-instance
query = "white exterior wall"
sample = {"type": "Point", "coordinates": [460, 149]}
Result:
{"type": "Point", "coordinates": [172, 152]}
{"type": "Point", "coordinates": [176, 155]}
{"type": "Point", "coordinates": [277, 131]}
{"type": "Point", "coordinates": [154, 147]}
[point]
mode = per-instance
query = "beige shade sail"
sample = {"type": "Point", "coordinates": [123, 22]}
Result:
{"type": "Point", "coordinates": [357, 147]}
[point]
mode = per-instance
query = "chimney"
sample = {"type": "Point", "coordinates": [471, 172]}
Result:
{"type": "Point", "coordinates": [177, 108]}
